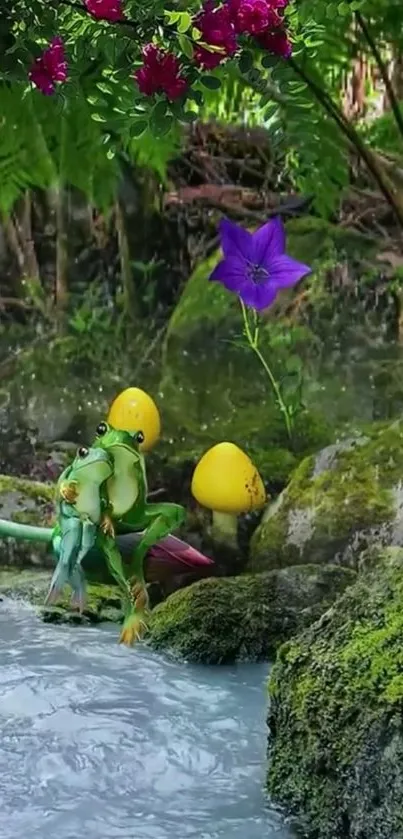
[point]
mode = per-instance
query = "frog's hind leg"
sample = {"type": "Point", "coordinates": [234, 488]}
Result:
{"type": "Point", "coordinates": [79, 586]}
{"type": "Point", "coordinates": [159, 520]}
{"type": "Point", "coordinates": [78, 582]}
{"type": "Point", "coordinates": [69, 541]}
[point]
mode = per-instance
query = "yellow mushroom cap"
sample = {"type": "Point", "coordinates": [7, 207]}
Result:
{"type": "Point", "coordinates": [135, 410]}
{"type": "Point", "coordinates": [226, 480]}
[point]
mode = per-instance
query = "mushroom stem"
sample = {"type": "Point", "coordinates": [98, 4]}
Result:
{"type": "Point", "coordinates": [225, 528]}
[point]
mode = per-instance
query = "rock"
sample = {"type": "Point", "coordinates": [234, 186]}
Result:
{"type": "Point", "coordinates": [336, 713]}
{"type": "Point", "coordinates": [26, 502]}
{"type": "Point", "coordinates": [338, 503]}
{"type": "Point", "coordinates": [32, 585]}
{"type": "Point", "coordinates": [223, 620]}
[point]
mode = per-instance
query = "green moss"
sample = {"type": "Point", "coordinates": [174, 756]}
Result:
{"type": "Point", "coordinates": [103, 601]}
{"type": "Point", "coordinates": [222, 620]}
{"type": "Point", "coordinates": [35, 490]}
{"type": "Point", "coordinates": [331, 690]}
{"type": "Point", "coordinates": [354, 493]}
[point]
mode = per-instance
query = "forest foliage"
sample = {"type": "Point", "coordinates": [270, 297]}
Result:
{"type": "Point", "coordinates": [99, 116]}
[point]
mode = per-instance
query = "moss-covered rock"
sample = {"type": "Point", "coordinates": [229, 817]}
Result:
{"type": "Point", "coordinates": [222, 620]}
{"type": "Point", "coordinates": [338, 502]}
{"type": "Point", "coordinates": [336, 711]}
{"type": "Point", "coordinates": [26, 502]}
{"type": "Point", "coordinates": [32, 586]}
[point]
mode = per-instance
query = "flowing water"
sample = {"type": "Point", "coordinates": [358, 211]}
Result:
{"type": "Point", "coordinates": [102, 742]}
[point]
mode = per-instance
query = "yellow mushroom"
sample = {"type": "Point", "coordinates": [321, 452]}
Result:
{"type": "Point", "coordinates": [226, 482]}
{"type": "Point", "coordinates": [134, 410]}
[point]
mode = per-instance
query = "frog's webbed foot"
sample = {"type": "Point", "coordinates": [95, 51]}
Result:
{"type": "Point", "coordinates": [135, 624]}
{"type": "Point", "coordinates": [68, 491]}
{"type": "Point", "coordinates": [107, 526]}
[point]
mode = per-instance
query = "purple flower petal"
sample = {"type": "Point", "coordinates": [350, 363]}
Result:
{"type": "Point", "coordinates": [258, 296]}
{"type": "Point", "coordinates": [231, 273]}
{"type": "Point", "coordinates": [269, 241]}
{"type": "Point", "coordinates": [285, 271]}
{"type": "Point", "coordinates": [235, 241]}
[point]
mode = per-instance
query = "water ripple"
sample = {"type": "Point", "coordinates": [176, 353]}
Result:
{"type": "Point", "coordinates": [108, 743]}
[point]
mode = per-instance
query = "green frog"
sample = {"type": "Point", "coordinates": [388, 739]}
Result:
{"type": "Point", "coordinates": [82, 512]}
{"type": "Point", "coordinates": [129, 511]}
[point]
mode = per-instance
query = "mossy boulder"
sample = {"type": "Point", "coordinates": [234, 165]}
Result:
{"type": "Point", "coordinates": [337, 503]}
{"type": "Point", "coordinates": [26, 502]}
{"type": "Point", "coordinates": [32, 586]}
{"type": "Point", "coordinates": [336, 713]}
{"type": "Point", "coordinates": [223, 620]}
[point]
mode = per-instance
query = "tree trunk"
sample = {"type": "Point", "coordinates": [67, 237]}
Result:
{"type": "Point", "coordinates": [131, 303]}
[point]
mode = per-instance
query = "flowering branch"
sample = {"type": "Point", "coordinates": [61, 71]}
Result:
{"type": "Point", "coordinates": [80, 8]}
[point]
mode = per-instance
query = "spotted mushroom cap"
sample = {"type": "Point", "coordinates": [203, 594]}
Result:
{"type": "Point", "coordinates": [226, 480]}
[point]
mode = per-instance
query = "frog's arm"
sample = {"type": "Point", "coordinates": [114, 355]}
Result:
{"type": "Point", "coordinates": [66, 488]}
{"type": "Point", "coordinates": [106, 523]}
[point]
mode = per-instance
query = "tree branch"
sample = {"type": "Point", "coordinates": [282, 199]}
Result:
{"type": "Point", "coordinates": [380, 176]}
{"type": "Point", "coordinates": [383, 71]}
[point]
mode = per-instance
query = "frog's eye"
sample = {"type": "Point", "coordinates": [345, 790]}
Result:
{"type": "Point", "coordinates": [101, 429]}
{"type": "Point", "coordinates": [82, 451]}
{"type": "Point", "coordinates": [138, 437]}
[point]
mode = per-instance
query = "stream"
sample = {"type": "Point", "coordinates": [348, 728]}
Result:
{"type": "Point", "coordinates": [102, 742]}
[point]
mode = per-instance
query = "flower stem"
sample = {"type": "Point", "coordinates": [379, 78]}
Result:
{"type": "Point", "coordinates": [252, 335]}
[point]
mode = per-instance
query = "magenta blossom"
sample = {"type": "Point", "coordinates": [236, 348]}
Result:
{"type": "Point", "coordinates": [255, 266]}
{"type": "Point", "coordinates": [160, 73]}
{"type": "Point", "coordinates": [105, 9]}
{"type": "Point", "coordinates": [217, 29]}
{"type": "Point", "coordinates": [276, 42]}
{"type": "Point", "coordinates": [49, 68]}
{"type": "Point", "coordinates": [254, 17]}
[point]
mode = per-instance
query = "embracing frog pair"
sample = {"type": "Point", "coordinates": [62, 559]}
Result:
{"type": "Point", "coordinates": [101, 494]}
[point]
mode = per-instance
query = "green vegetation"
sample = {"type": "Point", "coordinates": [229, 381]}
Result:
{"type": "Point", "coordinates": [336, 696]}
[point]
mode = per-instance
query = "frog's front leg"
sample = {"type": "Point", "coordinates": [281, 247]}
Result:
{"type": "Point", "coordinates": [68, 491]}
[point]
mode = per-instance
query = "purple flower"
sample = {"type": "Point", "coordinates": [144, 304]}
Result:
{"type": "Point", "coordinates": [255, 266]}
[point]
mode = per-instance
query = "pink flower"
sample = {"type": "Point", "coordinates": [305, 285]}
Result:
{"type": "Point", "coordinates": [217, 29]}
{"type": "Point", "coordinates": [207, 59]}
{"type": "Point", "coordinates": [255, 16]}
{"type": "Point", "coordinates": [105, 9]}
{"type": "Point", "coordinates": [277, 42]}
{"type": "Point", "coordinates": [160, 73]}
{"type": "Point", "coordinates": [49, 68]}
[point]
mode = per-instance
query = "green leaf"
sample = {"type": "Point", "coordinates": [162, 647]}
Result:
{"type": "Point", "coordinates": [245, 62]}
{"type": "Point", "coordinates": [211, 82]}
{"type": "Point", "coordinates": [269, 61]}
{"type": "Point", "coordinates": [163, 126]}
{"type": "Point", "coordinates": [197, 96]}
{"type": "Point", "coordinates": [189, 116]}
{"type": "Point", "coordinates": [173, 17]}
{"type": "Point", "coordinates": [138, 128]}
{"type": "Point", "coordinates": [185, 22]}
{"type": "Point", "coordinates": [185, 45]}
{"type": "Point", "coordinates": [98, 118]}
{"type": "Point", "coordinates": [158, 114]}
